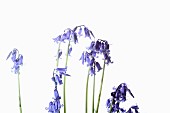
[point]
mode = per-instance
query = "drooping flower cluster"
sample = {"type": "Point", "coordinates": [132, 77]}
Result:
{"type": "Point", "coordinates": [96, 48]}
{"type": "Point", "coordinates": [17, 59]}
{"type": "Point", "coordinates": [72, 35]}
{"type": "Point", "coordinates": [118, 96]}
{"type": "Point", "coordinates": [101, 47]}
{"type": "Point", "coordinates": [54, 106]}
{"type": "Point", "coordinates": [57, 75]}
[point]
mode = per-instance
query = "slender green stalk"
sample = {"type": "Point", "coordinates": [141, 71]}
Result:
{"type": "Point", "coordinates": [93, 93]}
{"type": "Point", "coordinates": [20, 107]}
{"type": "Point", "coordinates": [64, 85]}
{"type": "Point", "coordinates": [101, 84]}
{"type": "Point", "coordinates": [87, 84]}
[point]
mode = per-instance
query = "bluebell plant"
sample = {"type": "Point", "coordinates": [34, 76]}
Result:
{"type": "Point", "coordinates": [96, 49]}
{"type": "Point", "coordinates": [55, 105]}
{"type": "Point", "coordinates": [17, 59]}
{"type": "Point", "coordinates": [118, 96]}
{"type": "Point", "coordinates": [69, 35]}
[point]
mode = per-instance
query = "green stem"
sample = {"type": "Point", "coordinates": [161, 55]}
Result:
{"type": "Point", "coordinates": [101, 84]}
{"type": "Point", "coordinates": [93, 94]}
{"type": "Point", "coordinates": [64, 85]}
{"type": "Point", "coordinates": [20, 107]}
{"type": "Point", "coordinates": [87, 83]}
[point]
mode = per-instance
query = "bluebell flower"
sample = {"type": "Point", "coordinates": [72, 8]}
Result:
{"type": "Point", "coordinates": [70, 50]}
{"type": "Point", "coordinates": [102, 47]}
{"type": "Point", "coordinates": [92, 70]}
{"type": "Point", "coordinates": [80, 32]}
{"type": "Point", "coordinates": [85, 58]}
{"type": "Point", "coordinates": [87, 33]}
{"type": "Point", "coordinates": [62, 71]}
{"type": "Point", "coordinates": [89, 58]}
{"type": "Point", "coordinates": [59, 53]}
{"type": "Point", "coordinates": [98, 66]}
{"type": "Point", "coordinates": [57, 80]}
{"type": "Point", "coordinates": [135, 107]}
{"type": "Point", "coordinates": [57, 39]}
{"type": "Point", "coordinates": [17, 60]}
{"type": "Point", "coordinates": [75, 39]}
{"type": "Point", "coordinates": [57, 75]}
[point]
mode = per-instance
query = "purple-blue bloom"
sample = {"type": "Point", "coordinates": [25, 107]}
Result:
{"type": "Point", "coordinates": [57, 75]}
{"type": "Point", "coordinates": [96, 48]}
{"type": "Point", "coordinates": [70, 34]}
{"type": "Point", "coordinates": [17, 60]}
{"type": "Point", "coordinates": [69, 51]}
{"type": "Point", "coordinates": [118, 96]}
{"type": "Point", "coordinates": [55, 106]}
{"type": "Point", "coordinates": [98, 66]}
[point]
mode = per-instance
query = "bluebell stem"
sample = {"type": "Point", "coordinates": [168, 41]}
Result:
{"type": "Point", "coordinates": [118, 96]}
{"type": "Point", "coordinates": [17, 59]}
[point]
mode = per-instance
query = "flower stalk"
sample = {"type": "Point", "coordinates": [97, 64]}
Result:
{"type": "Point", "coordinates": [87, 85]}
{"type": "Point", "coordinates": [93, 94]}
{"type": "Point", "coordinates": [20, 106]}
{"type": "Point", "coordinates": [64, 85]}
{"type": "Point", "coordinates": [101, 84]}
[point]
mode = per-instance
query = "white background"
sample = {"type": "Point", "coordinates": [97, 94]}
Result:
{"type": "Point", "coordinates": [139, 34]}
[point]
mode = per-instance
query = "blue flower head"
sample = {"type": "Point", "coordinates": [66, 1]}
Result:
{"type": "Point", "coordinates": [102, 47]}
{"type": "Point", "coordinates": [118, 96]}
{"type": "Point", "coordinates": [17, 60]}
{"type": "Point", "coordinates": [72, 35]}
{"type": "Point", "coordinates": [55, 106]}
{"type": "Point", "coordinates": [89, 58]}
{"type": "Point", "coordinates": [57, 75]}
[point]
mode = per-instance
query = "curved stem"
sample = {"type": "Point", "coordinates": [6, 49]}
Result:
{"type": "Point", "coordinates": [87, 83]}
{"type": "Point", "coordinates": [20, 107]}
{"type": "Point", "coordinates": [64, 85]}
{"type": "Point", "coordinates": [101, 84]}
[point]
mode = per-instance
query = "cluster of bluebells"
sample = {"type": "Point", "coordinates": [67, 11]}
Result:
{"type": "Point", "coordinates": [118, 96]}
{"type": "Point", "coordinates": [17, 59]}
{"type": "Point", "coordinates": [96, 48]}
{"type": "Point", "coordinates": [55, 105]}
{"type": "Point", "coordinates": [72, 35]}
